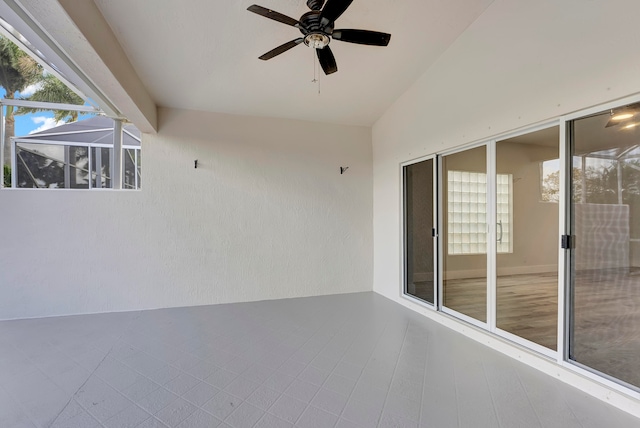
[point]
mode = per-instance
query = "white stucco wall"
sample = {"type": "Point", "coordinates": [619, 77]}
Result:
{"type": "Point", "coordinates": [520, 63]}
{"type": "Point", "coordinates": [266, 215]}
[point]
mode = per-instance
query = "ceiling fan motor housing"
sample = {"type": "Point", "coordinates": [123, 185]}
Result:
{"type": "Point", "coordinates": [315, 34]}
{"type": "Point", "coordinates": [315, 4]}
{"type": "Point", "coordinates": [311, 23]}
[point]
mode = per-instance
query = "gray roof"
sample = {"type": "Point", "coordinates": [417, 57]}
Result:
{"type": "Point", "coordinates": [97, 129]}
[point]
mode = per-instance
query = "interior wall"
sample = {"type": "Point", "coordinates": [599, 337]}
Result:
{"type": "Point", "coordinates": [265, 215]}
{"type": "Point", "coordinates": [535, 223]}
{"type": "Point", "coordinates": [518, 64]}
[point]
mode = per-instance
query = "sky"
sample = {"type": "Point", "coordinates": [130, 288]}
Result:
{"type": "Point", "coordinates": [33, 122]}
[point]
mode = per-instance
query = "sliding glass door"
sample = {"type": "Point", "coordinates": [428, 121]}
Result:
{"type": "Point", "coordinates": [419, 224]}
{"type": "Point", "coordinates": [464, 233]}
{"type": "Point", "coordinates": [604, 330]}
{"type": "Point", "coordinates": [499, 235]}
{"type": "Point", "coordinates": [527, 215]}
{"type": "Point", "coordinates": [483, 239]}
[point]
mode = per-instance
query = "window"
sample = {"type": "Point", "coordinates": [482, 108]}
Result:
{"type": "Point", "coordinates": [550, 180]}
{"type": "Point", "coordinates": [57, 134]}
{"type": "Point", "coordinates": [467, 212]}
{"type": "Point", "coordinates": [76, 155]}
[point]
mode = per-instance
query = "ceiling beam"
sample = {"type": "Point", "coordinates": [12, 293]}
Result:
{"type": "Point", "coordinates": [82, 33]}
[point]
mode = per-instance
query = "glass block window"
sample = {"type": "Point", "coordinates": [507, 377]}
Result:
{"type": "Point", "coordinates": [467, 213]}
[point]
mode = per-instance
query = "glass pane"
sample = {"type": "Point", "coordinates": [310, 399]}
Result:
{"type": "Point", "coordinates": [528, 172]}
{"type": "Point", "coordinates": [139, 168]}
{"type": "Point", "coordinates": [78, 168]}
{"type": "Point", "coordinates": [129, 172]}
{"type": "Point", "coordinates": [419, 266]}
{"type": "Point", "coordinates": [106, 167]}
{"type": "Point", "coordinates": [51, 166]}
{"type": "Point", "coordinates": [76, 154]}
{"type": "Point", "coordinates": [100, 175]}
{"type": "Point", "coordinates": [605, 209]}
{"type": "Point", "coordinates": [465, 232]}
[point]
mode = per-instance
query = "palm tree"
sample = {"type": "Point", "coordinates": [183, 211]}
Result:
{"type": "Point", "coordinates": [17, 71]}
{"type": "Point", "coordinates": [52, 90]}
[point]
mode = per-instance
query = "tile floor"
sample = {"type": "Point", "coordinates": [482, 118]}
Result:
{"type": "Point", "coordinates": [354, 360]}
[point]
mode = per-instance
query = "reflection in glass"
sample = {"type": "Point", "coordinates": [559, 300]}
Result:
{"type": "Point", "coordinates": [528, 170]}
{"type": "Point", "coordinates": [51, 166]}
{"type": "Point", "coordinates": [101, 176]}
{"type": "Point", "coordinates": [131, 170]}
{"type": "Point", "coordinates": [465, 232]}
{"type": "Point", "coordinates": [605, 220]}
{"type": "Point", "coordinates": [419, 264]}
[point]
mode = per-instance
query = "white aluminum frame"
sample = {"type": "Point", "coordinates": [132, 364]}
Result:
{"type": "Point", "coordinates": [65, 69]}
{"type": "Point", "coordinates": [118, 130]}
{"type": "Point", "coordinates": [503, 333]}
{"type": "Point", "coordinates": [491, 170]}
{"type": "Point", "coordinates": [116, 156]}
{"type": "Point", "coordinates": [565, 222]}
{"type": "Point", "coordinates": [492, 236]}
{"type": "Point", "coordinates": [481, 324]}
{"type": "Point", "coordinates": [563, 255]}
{"type": "Point", "coordinates": [403, 237]}
{"type": "Point", "coordinates": [560, 356]}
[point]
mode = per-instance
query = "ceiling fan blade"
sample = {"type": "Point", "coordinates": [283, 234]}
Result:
{"type": "Point", "coordinates": [327, 60]}
{"type": "Point", "coordinates": [334, 8]}
{"type": "Point", "coordinates": [281, 49]}
{"type": "Point", "coordinates": [272, 14]}
{"type": "Point", "coordinates": [363, 37]}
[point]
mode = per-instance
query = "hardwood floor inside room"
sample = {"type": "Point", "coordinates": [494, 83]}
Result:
{"type": "Point", "coordinates": [607, 322]}
{"type": "Point", "coordinates": [527, 304]}
{"type": "Point", "coordinates": [607, 314]}
{"type": "Point", "coordinates": [528, 307]}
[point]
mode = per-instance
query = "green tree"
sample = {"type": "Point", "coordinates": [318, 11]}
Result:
{"type": "Point", "coordinates": [17, 71]}
{"type": "Point", "coordinates": [7, 175]}
{"type": "Point", "coordinates": [551, 187]}
{"type": "Point", "coordinates": [52, 90]}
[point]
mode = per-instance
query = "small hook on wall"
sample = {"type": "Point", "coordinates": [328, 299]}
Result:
{"type": "Point", "coordinates": [343, 169]}
{"type": "Point", "coordinates": [195, 164]}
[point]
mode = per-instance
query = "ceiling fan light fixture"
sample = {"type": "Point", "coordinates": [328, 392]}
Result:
{"type": "Point", "coordinates": [622, 116]}
{"type": "Point", "coordinates": [316, 40]}
{"type": "Point", "coordinates": [317, 28]}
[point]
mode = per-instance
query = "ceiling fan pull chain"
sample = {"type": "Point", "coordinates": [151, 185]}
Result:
{"type": "Point", "coordinates": [313, 56]}
{"type": "Point", "coordinates": [316, 73]}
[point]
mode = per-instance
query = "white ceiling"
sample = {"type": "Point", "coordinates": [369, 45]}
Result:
{"type": "Point", "coordinates": [203, 55]}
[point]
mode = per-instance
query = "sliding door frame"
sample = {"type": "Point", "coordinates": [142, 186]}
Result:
{"type": "Point", "coordinates": [404, 238]}
{"type": "Point", "coordinates": [566, 221]}
{"type": "Point", "coordinates": [494, 265]}
{"type": "Point", "coordinates": [565, 275]}
{"type": "Point", "coordinates": [440, 208]}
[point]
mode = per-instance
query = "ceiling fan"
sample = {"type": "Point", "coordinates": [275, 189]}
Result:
{"type": "Point", "coordinates": [317, 28]}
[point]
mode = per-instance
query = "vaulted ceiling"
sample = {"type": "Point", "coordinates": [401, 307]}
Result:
{"type": "Point", "coordinates": [203, 55]}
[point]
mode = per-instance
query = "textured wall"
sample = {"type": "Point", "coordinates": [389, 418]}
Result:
{"type": "Point", "coordinates": [519, 63]}
{"type": "Point", "coordinates": [266, 215]}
